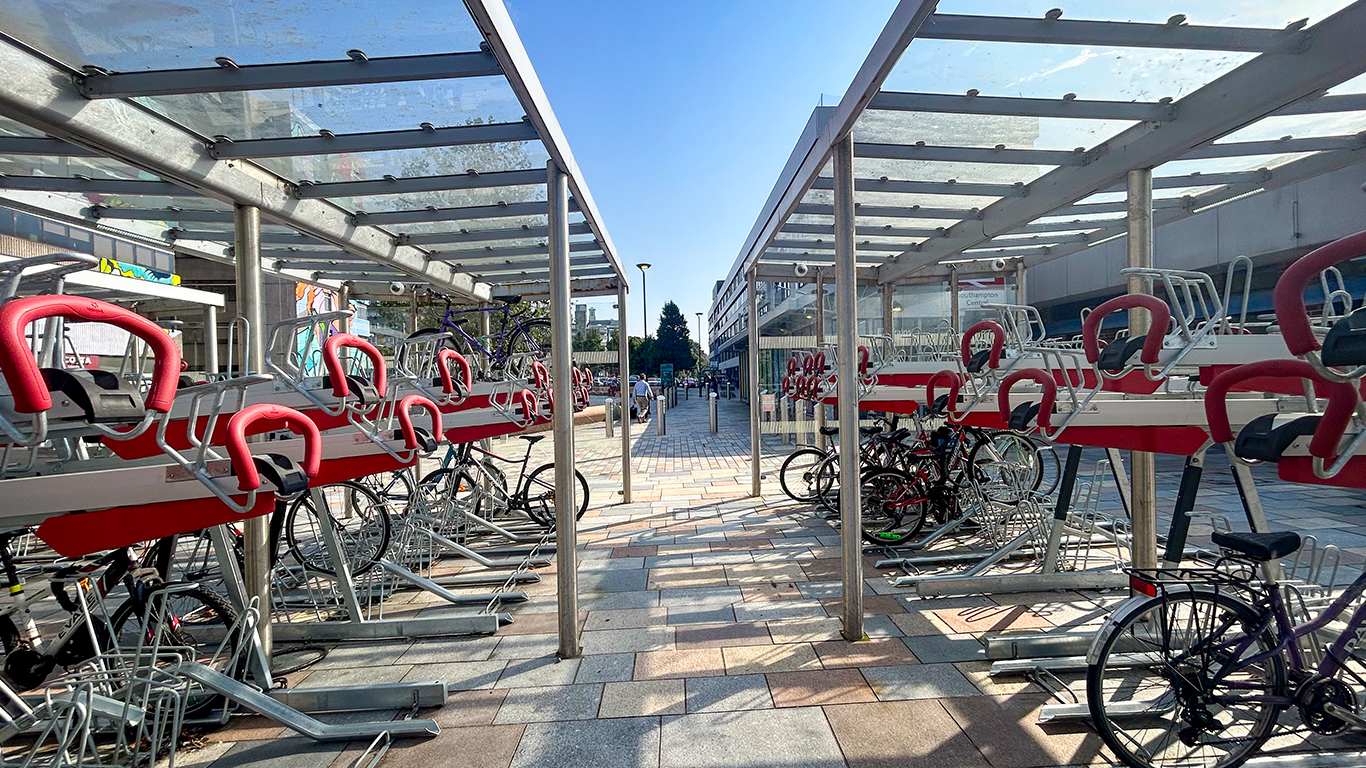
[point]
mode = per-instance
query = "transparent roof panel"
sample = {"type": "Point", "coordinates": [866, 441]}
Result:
{"type": "Point", "coordinates": [429, 161]}
{"type": "Point", "coordinates": [173, 34]}
{"type": "Point", "coordinates": [887, 126]}
{"type": "Point", "coordinates": [925, 170]}
{"type": "Point", "coordinates": [1301, 126]}
{"type": "Point", "coordinates": [343, 109]}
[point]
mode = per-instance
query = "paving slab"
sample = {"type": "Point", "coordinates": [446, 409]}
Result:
{"type": "Point", "coordinates": [728, 694]}
{"type": "Point", "coordinates": [550, 704]}
{"type": "Point", "coordinates": [642, 698]}
{"type": "Point", "coordinates": [620, 743]}
{"type": "Point", "coordinates": [760, 659]}
{"type": "Point", "coordinates": [819, 688]}
{"type": "Point", "coordinates": [902, 734]}
{"type": "Point", "coordinates": [918, 681]}
{"type": "Point", "coordinates": [791, 738]}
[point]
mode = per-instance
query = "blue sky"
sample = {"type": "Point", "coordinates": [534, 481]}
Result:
{"type": "Point", "coordinates": [682, 114]}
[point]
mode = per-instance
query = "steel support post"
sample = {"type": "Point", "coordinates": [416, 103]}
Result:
{"type": "Point", "coordinates": [1142, 467]}
{"type": "Point", "coordinates": [624, 366]}
{"type": "Point", "coordinates": [343, 305]}
{"type": "Point", "coordinates": [211, 340]}
{"type": "Point", "coordinates": [887, 316]}
{"type": "Point", "coordinates": [1185, 502]}
{"type": "Point", "coordinates": [820, 341]}
{"type": "Point", "coordinates": [255, 530]}
{"type": "Point", "coordinates": [562, 383]}
{"type": "Point", "coordinates": [1022, 290]}
{"type": "Point", "coordinates": [754, 403]}
{"type": "Point", "coordinates": [846, 388]}
{"type": "Point", "coordinates": [953, 298]}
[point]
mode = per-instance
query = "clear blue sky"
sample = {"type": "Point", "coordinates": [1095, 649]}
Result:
{"type": "Point", "coordinates": [681, 115]}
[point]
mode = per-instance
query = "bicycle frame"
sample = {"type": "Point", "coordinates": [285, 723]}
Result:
{"type": "Point", "coordinates": [506, 314]}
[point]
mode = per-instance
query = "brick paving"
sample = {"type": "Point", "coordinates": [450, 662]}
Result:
{"type": "Point", "coordinates": [709, 639]}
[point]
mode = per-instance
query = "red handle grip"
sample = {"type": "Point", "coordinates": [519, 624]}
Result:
{"type": "Point", "coordinates": [1044, 379]}
{"type": "Point", "coordinates": [578, 377]}
{"type": "Point", "coordinates": [264, 417]}
{"type": "Point", "coordinates": [588, 376]}
{"type": "Point", "coordinates": [1288, 298]}
{"type": "Point", "coordinates": [443, 359]}
{"type": "Point", "coordinates": [20, 368]}
{"type": "Point", "coordinates": [1342, 401]}
{"type": "Point", "coordinates": [808, 364]}
{"type": "Point", "coordinates": [793, 365]}
{"type": "Point", "coordinates": [529, 407]}
{"type": "Point", "coordinates": [998, 342]}
{"type": "Point", "coordinates": [405, 418]}
{"type": "Point", "coordinates": [955, 383]}
{"type": "Point", "coordinates": [334, 366]}
{"type": "Point", "coordinates": [818, 363]}
{"type": "Point", "coordinates": [862, 360]}
{"type": "Point", "coordinates": [540, 375]}
{"type": "Point", "coordinates": [788, 388]}
{"type": "Point", "coordinates": [1152, 345]}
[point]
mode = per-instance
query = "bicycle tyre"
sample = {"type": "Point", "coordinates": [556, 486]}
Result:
{"type": "Point", "coordinates": [1021, 449]}
{"type": "Point", "coordinates": [795, 475]}
{"type": "Point", "coordinates": [1131, 637]}
{"type": "Point", "coordinates": [375, 527]}
{"type": "Point", "coordinates": [537, 497]}
{"type": "Point", "coordinates": [212, 609]}
{"type": "Point", "coordinates": [892, 506]}
{"type": "Point", "coordinates": [522, 342]}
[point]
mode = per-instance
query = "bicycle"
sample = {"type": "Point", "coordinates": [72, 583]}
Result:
{"type": "Point", "coordinates": [478, 484]}
{"type": "Point", "coordinates": [517, 340]}
{"type": "Point", "coordinates": [1197, 670]}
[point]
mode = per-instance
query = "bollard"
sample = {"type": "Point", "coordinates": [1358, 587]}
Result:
{"type": "Point", "coordinates": [687, 394]}
{"type": "Point", "coordinates": [607, 408]}
{"type": "Point", "coordinates": [659, 417]}
{"type": "Point", "coordinates": [712, 406]}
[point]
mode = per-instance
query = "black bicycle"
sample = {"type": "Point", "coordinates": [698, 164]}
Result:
{"type": "Point", "coordinates": [474, 480]}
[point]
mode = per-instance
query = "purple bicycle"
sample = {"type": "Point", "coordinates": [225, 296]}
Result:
{"type": "Point", "coordinates": [508, 351]}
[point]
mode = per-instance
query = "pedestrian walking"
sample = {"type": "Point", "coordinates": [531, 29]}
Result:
{"type": "Point", "coordinates": [643, 395]}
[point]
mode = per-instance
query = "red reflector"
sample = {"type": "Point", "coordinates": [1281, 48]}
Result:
{"type": "Point", "coordinates": [1142, 587]}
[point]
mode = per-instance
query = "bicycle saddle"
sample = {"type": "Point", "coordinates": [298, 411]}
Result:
{"type": "Point", "coordinates": [509, 299]}
{"type": "Point", "coordinates": [830, 431]}
{"type": "Point", "coordinates": [869, 430]}
{"type": "Point", "coordinates": [532, 439]}
{"type": "Point", "coordinates": [1259, 546]}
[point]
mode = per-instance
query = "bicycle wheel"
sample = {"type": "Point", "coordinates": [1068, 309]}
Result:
{"type": "Point", "coordinates": [892, 505]}
{"type": "Point", "coordinates": [1170, 688]}
{"type": "Point", "coordinates": [395, 488]}
{"type": "Point", "coordinates": [1007, 466]}
{"type": "Point", "coordinates": [200, 619]}
{"type": "Point", "coordinates": [530, 342]}
{"type": "Point", "coordinates": [359, 518]}
{"type": "Point", "coordinates": [538, 495]}
{"type": "Point", "coordinates": [798, 474]}
{"type": "Point", "coordinates": [827, 484]}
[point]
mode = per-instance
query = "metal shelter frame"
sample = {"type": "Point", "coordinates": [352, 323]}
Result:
{"type": "Point", "coordinates": [139, 150]}
{"type": "Point", "coordinates": [894, 184]}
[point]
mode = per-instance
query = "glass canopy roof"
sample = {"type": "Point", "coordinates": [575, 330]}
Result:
{"type": "Point", "coordinates": [420, 121]}
{"type": "Point", "coordinates": [980, 136]}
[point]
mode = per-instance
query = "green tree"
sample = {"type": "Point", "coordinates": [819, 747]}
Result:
{"type": "Point", "coordinates": [612, 340]}
{"type": "Point", "coordinates": [588, 340]}
{"type": "Point", "coordinates": [644, 361]}
{"type": "Point", "coordinates": [700, 356]}
{"type": "Point", "coordinates": [673, 344]}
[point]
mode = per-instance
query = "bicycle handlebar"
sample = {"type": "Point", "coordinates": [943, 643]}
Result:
{"type": "Point", "coordinates": [1152, 345]}
{"type": "Point", "coordinates": [998, 342]}
{"type": "Point", "coordinates": [1342, 401]}
{"type": "Point", "coordinates": [1043, 378]}
{"type": "Point", "coordinates": [21, 370]}
{"type": "Point", "coordinates": [338, 373]}
{"type": "Point", "coordinates": [264, 417]}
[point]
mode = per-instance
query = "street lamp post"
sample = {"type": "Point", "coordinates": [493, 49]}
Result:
{"type": "Point", "coordinates": [644, 302]}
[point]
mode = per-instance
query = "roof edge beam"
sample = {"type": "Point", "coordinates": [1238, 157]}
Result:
{"type": "Point", "coordinates": [466, 213]}
{"type": "Point", "coordinates": [83, 185]}
{"type": "Point", "coordinates": [891, 212]}
{"type": "Point", "coordinates": [490, 254]}
{"type": "Point", "coordinates": [1123, 34]}
{"type": "Point", "coordinates": [482, 236]}
{"type": "Point", "coordinates": [358, 70]}
{"type": "Point", "coordinates": [1000, 154]}
{"type": "Point", "coordinates": [910, 187]}
{"type": "Point", "coordinates": [376, 141]}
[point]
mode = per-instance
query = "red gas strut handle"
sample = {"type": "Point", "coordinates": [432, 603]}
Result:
{"type": "Point", "coordinates": [334, 366]}
{"type": "Point", "coordinates": [788, 386]}
{"type": "Point", "coordinates": [955, 383]}
{"type": "Point", "coordinates": [818, 363]}
{"type": "Point", "coordinates": [1044, 379]}
{"type": "Point", "coordinates": [998, 342]}
{"type": "Point", "coordinates": [1342, 401]}
{"type": "Point", "coordinates": [264, 417]}
{"type": "Point", "coordinates": [578, 377]}
{"type": "Point", "coordinates": [1152, 345]}
{"type": "Point", "coordinates": [588, 376]}
{"type": "Point", "coordinates": [530, 409]}
{"type": "Point", "coordinates": [793, 365]}
{"type": "Point", "coordinates": [405, 418]}
{"type": "Point", "coordinates": [540, 375]}
{"type": "Point", "coordinates": [1288, 298]}
{"type": "Point", "coordinates": [21, 369]}
{"type": "Point", "coordinates": [443, 358]}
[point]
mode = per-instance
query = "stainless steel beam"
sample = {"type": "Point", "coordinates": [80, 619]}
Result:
{"type": "Point", "coordinates": [42, 95]}
{"type": "Point", "coordinates": [376, 141]}
{"type": "Point", "coordinates": [578, 270]}
{"type": "Point", "coordinates": [912, 187]}
{"type": "Point", "coordinates": [41, 145]}
{"type": "Point", "coordinates": [476, 255]}
{"type": "Point", "coordinates": [267, 238]}
{"type": "Point", "coordinates": [84, 185]}
{"type": "Point", "coordinates": [781, 272]}
{"type": "Point", "coordinates": [846, 387]}
{"type": "Point", "coordinates": [1122, 34]}
{"type": "Point", "coordinates": [1198, 179]}
{"type": "Point", "coordinates": [1319, 105]}
{"type": "Point", "coordinates": [867, 231]}
{"type": "Point", "coordinates": [425, 215]}
{"type": "Point", "coordinates": [1082, 209]}
{"type": "Point", "coordinates": [891, 212]}
{"type": "Point", "coordinates": [1000, 154]}
{"type": "Point", "coordinates": [539, 290]}
{"type": "Point", "coordinates": [562, 418]}
{"type": "Point", "coordinates": [1142, 465]}
{"type": "Point", "coordinates": [829, 245]}
{"type": "Point", "coordinates": [251, 306]}
{"type": "Point", "coordinates": [486, 235]}
{"type": "Point", "coordinates": [161, 214]}
{"type": "Point", "coordinates": [1279, 146]}
{"type": "Point", "coordinates": [1076, 225]}
{"type": "Point", "coordinates": [303, 74]}
{"type": "Point", "coordinates": [393, 185]}
{"type": "Point", "coordinates": [1257, 88]}
{"type": "Point", "coordinates": [1081, 109]}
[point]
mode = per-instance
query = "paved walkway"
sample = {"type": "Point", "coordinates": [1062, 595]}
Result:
{"type": "Point", "coordinates": [709, 640]}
